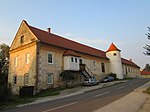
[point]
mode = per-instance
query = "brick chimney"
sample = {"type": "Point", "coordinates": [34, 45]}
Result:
{"type": "Point", "coordinates": [49, 30]}
{"type": "Point", "coordinates": [130, 59]}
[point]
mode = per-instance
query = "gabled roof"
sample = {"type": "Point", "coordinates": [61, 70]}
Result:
{"type": "Point", "coordinates": [113, 48]}
{"type": "Point", "coordinates": [70, 53]}
{"type": "Point", "coordinates": [52, 39]}
{"type": "Point", "coordinates": [128, 62]}
{"type": "Point", "coordinates": [72, 47]}
{"type": "Point", "coordinates": [145, 72]}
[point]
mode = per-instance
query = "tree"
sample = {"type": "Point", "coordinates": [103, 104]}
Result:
{"type": "Point", "coordinates": [147, 67]}
{"type": "Point", "coordinates": [4, 58]}
{"type": "Point", "coordinates": [147, 46]}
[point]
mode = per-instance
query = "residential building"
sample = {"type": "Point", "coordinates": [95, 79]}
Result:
{"type": "Point", "coordinates": [38, 57]}
{"type": "Point", "coordinates": [145, 74]}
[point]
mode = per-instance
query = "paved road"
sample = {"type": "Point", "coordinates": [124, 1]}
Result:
{"type": "Point", "coordinates": [86, 102]}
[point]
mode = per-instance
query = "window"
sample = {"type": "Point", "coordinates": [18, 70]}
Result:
{"type": "Point", "coordinates": [50, 58]}
{"type": "Point", "coordinates": [27, 58]}
{"type": "Point", "coordinates": [22, 39]}
{"type": "Point", "coordinates": [126, 71]}
{"type": "Point", "coordinates": [76, 60]}
{"type": "Point", "coordinates": [94, 64]}
{"type": "Point", "coordinates": [71, 59]}
{"type": "Point", "coordinates": [103, 67]}
{"type": "Point", "coordinates": [15, 79]}
{"type": "Point", "coordinates": [16, 61]}
{"type": "Point", "coordinates": [115, 54]}
{"type": "Point", "coordinates": [26, 79]}
{"type": "Point", "coordinates": [49, 78]}
{"type": "Point", "coordinates": [80, 61]}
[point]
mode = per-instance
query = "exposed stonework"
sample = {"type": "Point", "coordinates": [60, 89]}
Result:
{"type": "Point", "coordinates": [29, 56]}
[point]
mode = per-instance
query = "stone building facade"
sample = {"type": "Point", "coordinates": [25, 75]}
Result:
{"type": "Point", "coordinates": [37, 58]}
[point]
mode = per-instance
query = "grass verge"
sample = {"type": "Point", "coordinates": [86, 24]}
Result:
{"type": "Point", "coordinates": [14, 101]}
{"type": "Point", "coordinates": [148, 90]}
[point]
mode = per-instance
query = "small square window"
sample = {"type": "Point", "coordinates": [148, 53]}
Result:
{"type": "Point", "coordinates": [103, 67]}
{"type": "Point", "coordinates": [80, 61]}
{"type": "Point", "coordinates": [27, 58]}
{"type": "Point", "coordinates": [22, 39]}
{"type": "Point", "coordinates": [15, 79]}
{"type": "Point", "coordinates": [76, 60]}
{"type": "Point", "coordinates": [16, 61]}
{"type": "Point", "coordinates": [26, 79]}
{"type": "Point", "coordinates": [50, 58]}
{"type": "Point", "coordinates": [115, 54]}
{"type": "Point", "coordinates": [49, 78]}
{"type": "Point", "coordinates": [71, 59]}
{"type": "Point", "coordinates": [94, 64]}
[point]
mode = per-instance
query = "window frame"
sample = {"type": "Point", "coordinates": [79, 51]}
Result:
{"type": "Point", "coordinates": [26, 75]}
{"type": "Point", "coordinates": [80, 61]}
{"type": "Point", "coordinates": [52, 79]}
{"type": "Point", "coordinates": [103, 67]}
{"type": "Point", "coordinates": [115, 54]}
{"type": "Point", "coordinates": [72, 59]}
{"type": "Point", "coordinates": [22, 39]}
{"type": "Point", "coordinates": [16, 61]}
{"type": "Point", "coordinates": [15, 79]}
{"type": "Point", "coordinates": [76, 60]}
{"type": "Point", "coordinates": [52, 58]}
{"type": "Point", "coordinates": [27, 58]}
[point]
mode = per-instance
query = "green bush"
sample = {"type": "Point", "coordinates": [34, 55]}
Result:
{"type": "Point", "coordinates": [5, 92]}
{"type": "Point", "coordinates": [67, 76]}
{"type": "Point", "coordinates": [113, 75]}
{"type": "Point", "coordinates": [148, 90]}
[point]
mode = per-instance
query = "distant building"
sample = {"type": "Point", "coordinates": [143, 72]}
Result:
{"type": "Point", "coordinates": [37, 58]}
{"type": "Point", "coordinates": [145, 74]}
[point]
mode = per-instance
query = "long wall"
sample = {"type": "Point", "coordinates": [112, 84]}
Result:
{"type": "Point", "coordinates": [57, 66]}
{"type": "Point", "coordinates": [131, 71]}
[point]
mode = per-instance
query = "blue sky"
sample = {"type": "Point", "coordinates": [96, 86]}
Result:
{"type": "Point", "coordinates": [96, 23]}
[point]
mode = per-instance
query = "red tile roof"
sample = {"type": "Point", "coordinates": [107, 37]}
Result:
{"type": "Point", "coordinates": [62, 42]}
{"type": "Point", "coordinates": [72, 46]}
{"type": "Point", "coordinates": [145, 72]}
{"type": "Point", "coordinates": [113, 48]}
{"type": "Point", "coordinates": [128, 62]}
{"type": "Point", "coordinates": [69, 52]}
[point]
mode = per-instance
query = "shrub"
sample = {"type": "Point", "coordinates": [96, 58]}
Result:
{"type": "Point", "coordinates": [5, 91]}
{"type": "Point", "coordinates": [67, 76]}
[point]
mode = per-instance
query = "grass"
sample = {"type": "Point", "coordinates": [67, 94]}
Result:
{"type": "Point", "coordinates": [148, 90]}
{"type": "Point", "coordinates": [14, 101]}
{"type": "Point", "coordinates": [49, 92]}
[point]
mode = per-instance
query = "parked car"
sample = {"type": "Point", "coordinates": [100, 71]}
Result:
{"type": "Point", "coordinates": [90, 82]}
{"type": "Point", "coordinates": [107, 79]}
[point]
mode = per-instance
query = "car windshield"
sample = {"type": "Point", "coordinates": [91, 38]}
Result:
{"type": "Point", "coordinates": [106, 77]}
{"type": "Point", "coordinates": [86, 80]}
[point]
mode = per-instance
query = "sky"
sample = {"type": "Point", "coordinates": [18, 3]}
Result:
{"type": "Point", "coordinates": [96, 23]}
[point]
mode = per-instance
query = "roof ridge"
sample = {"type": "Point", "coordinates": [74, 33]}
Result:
{"type": "Point", "coordinates": [68, 39]}
{"type": "Point", "coordinates": [129, 62]}
{"type": "Point", "coordinates": [78, 43]}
